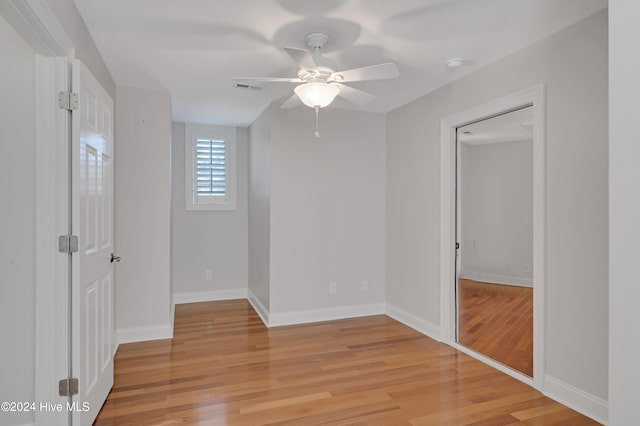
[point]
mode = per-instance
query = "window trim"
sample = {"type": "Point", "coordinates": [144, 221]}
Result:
{"type": "Point", "coordinates": [194, 132]}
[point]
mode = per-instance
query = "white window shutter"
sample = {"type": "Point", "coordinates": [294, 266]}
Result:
{"type": "Point", "coordinates": [210, 167]}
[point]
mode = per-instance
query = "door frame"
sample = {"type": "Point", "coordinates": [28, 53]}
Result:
{"type": "Point", "coordinates": [36, 23]}
{"type": "Point", "coordinates": [535, 97]}
{"type": "Point", "coordinates": [52, 268]}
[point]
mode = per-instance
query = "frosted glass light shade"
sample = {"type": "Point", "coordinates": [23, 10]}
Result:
{"type": "Point", "coordinates": [317, 94]}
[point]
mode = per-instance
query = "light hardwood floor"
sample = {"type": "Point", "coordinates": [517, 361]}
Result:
{"type": "Point", "coordinates": [497, 321]}
{"type": "Point", "coordinates": [224, 367]}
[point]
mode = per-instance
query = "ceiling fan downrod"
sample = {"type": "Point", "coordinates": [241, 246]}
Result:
{"type": "Point", "coordinates": [317, 132]}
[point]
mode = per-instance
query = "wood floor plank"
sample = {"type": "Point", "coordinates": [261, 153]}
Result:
{"type": "Point", "coordinates": [223, 367]}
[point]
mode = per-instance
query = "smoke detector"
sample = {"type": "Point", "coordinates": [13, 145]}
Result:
{"type": "Point", "coordinates": [455, 62]}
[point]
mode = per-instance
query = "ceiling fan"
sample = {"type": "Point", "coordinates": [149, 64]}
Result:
{"type": "Point", "coordinates": [320, 81]}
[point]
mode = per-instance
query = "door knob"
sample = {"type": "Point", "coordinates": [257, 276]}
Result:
{"type": "Point", "coordinates": [114, 258]}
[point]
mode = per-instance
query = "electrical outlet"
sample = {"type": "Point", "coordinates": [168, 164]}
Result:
{"type": "Point", "coordinates": [526, 268]}
{"type": "Point", "coordinates": [208, 275]}
{"type": "Point", "coordinates": [333, 288]}
{"type": "Point", "coordinates": [365, 285]}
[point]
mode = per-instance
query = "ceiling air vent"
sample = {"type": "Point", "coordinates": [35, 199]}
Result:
{"type": "Point", "coordinates": [247, 86]}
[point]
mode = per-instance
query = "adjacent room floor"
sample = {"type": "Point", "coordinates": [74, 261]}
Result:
{"type": "Point", "coordinates": [496, 320]}
{"type": "Point", "coordinates": [223, 366]}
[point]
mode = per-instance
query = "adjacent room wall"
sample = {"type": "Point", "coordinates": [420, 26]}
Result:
{"type": "Point", "coordinates": [85, 48]}
{"type": "Point", "coordinates": [260, 209]}
{"type": "Point", "coordinates": [624, 240]}
{"type": "Point", "coordinates": [142, 214]}
{"type": "Point", "coordinates": [573, 65]}
{"type": "Point", "coordinates": [208, 240]}
{"type": "Point", "coordinates": [17, 218]}
{"type": "Point", "coordinates": [327, 210]}
{"type": "Point", "coordinates": [496, 212]}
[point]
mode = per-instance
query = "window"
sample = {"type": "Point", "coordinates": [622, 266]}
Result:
{"type": "Point", "coordinates": [210, 167]}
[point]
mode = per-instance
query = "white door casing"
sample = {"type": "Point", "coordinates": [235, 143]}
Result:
{"type": "Point", "coordinates": [53, 143]}
{"type": "Point", "coordinates": [92, 210]}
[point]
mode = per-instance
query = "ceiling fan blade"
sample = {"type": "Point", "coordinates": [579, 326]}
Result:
{"type": "Point", "coordinates": [292, 102]}
{"type": "Point", "coordinates": [357, 96]}
{"type": "Point", "coordinates": [302, 57]}
{"type": "Point", "coordinates": [269, 79]}
{"type": "Point", "coordinates": [373, 72]}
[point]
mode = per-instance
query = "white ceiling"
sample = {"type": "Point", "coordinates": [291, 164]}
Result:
{"type": "Point", "coordinates": [194, 48]}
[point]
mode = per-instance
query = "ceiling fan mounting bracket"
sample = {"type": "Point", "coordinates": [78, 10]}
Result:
{"type": "Point", "coordinates": [316, 40]}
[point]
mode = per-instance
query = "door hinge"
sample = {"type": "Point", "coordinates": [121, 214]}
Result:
{"type": "Point", "coordinates": [68, 387]}
{"type": "Point", "coordinates": [457, 246]}
{"type": "Point", "coordinates": [67, 244]}
{"type": "Point", "coordinates": [68, 100]}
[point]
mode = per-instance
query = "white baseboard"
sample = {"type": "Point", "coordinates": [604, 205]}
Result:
{"type": "Point", "coordinates": [497, 279]}
{"type": "Point", "coordinates": [328, 314]}
{"type": "Point", "coordinates": [577, 399]}
{"type": "Point", "coordinates": [427, 328]}
{"type": "Point", "coordinates": [142, 334]}
{"type": "Point", "coordinates": [209, 296]}
{"type": "Point", "coordinates": [260, 309]}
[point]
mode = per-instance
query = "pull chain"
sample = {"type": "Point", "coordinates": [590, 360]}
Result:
{"type": "Point", "coordinates": [317, 133]}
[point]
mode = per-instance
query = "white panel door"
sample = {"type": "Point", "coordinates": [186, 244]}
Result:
{"type": "Point", "coordinates": [92, 205]}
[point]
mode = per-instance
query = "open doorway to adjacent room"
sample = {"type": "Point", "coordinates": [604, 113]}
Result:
{"type": "Point", "coordinates": [494, 238]}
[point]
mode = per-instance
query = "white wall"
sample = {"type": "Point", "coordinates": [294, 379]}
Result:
{"type": "Point", "coordinates": [573, 66]}
{"type": "Point", "coordinates": [17, 218]}
{"type": "Point", "coordinates": [202, 240]}
{"type": "Point", "coordinates": [624, 240]}
{"type": "Point", "coordinates": [85, 48]}
{"type": "Point", "coordinates": [142, 212]}
{"type": "Point", "coordinates": [496, 210]}
{"type": "Point", "coordinates": [327, 209]}
{"type": "Point", "coordinates": [260, 206]}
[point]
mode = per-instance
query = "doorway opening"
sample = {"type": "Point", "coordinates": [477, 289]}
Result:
{"type": "Point", "coordinates": [494, 238]}
{"type": "Point", "coordinates": [534, 100]}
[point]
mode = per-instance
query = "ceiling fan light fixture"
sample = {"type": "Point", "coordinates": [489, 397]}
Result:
{"type": "Point", "coordinates": [317, 94]}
